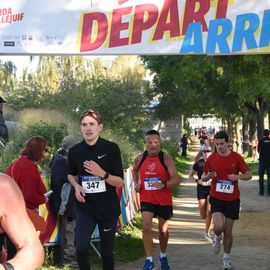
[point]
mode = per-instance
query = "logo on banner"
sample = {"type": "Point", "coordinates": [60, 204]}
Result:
{"type": "Point", "coordinates": [8, 16]}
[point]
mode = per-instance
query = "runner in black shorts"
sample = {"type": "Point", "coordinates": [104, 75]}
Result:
{"type": "Point", "coordinates": [163, 211]}
{"type": "Point", "coordinates": [225, 167]}
{"type": "Point", "coordinates": [95, 170]}
{"type": "Point", "coordinates": [154, 174]}
{"type": "Point", "coordinates": [203, 190]}
{"type": "Point", "coordinates": [230, 209]}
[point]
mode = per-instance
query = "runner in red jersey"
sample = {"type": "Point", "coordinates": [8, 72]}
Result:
{"type": "Point", "coordinates": [154, 174]}
{"type": "Point", "coordinates": [225, 168]}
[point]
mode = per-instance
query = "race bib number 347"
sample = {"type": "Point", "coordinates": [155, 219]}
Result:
{"type": "Point", "coordinates": [93, 184]}
{"type": "Point", "coordinates": [224, 186]}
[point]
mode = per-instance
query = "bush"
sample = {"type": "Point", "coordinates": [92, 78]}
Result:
{"type": "Point", "coordinates": [53, 133]}
{"type": "Point", "coordinates": [127, 149]}
{"type": "Point", "coordinates": [52, 117]}
{"type": "Point", "coordinates": [170, 147]}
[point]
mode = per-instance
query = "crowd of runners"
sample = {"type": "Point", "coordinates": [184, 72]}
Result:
{"type": "Point", "coordinates": [95, 170]}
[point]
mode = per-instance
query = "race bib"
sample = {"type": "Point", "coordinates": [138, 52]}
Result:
{"type": "Point", "coordinates": [224, 186]}
{"type": "Point", "coordinates": [149, 183]}
{"type": "Point", "coordinates": [93, 184]}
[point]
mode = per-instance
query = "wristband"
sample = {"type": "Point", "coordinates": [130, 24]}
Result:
{"type": "Point", "coordinates": [8, 266]}
{"type": "Point", "coordinates": [105, 176]}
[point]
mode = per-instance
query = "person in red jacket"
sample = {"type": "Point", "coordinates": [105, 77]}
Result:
{"type": "Point", "coordinates": [24, 171]}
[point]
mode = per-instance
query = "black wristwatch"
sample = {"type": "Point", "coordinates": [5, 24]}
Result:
{"type": "Point", "coordinates": [8, 266]}
{"type": "Point", "coordinates": [105, 176]}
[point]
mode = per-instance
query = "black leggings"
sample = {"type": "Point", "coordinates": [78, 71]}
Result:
{"type": "Point", "coordinates": [85, 225]}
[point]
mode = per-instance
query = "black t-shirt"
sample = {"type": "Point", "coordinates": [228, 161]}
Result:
{"type": "Point", "coordinates": [103, 205]}
{"type": "Point", "coordinates": [264, 150]}
{"type": "Point", "coordinates": [198, 167]}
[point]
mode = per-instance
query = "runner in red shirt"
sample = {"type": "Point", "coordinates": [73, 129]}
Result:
{"type": "Point", "coordinates": [225, 168]}
{"type": "Point", "coordinates": [154, 174]}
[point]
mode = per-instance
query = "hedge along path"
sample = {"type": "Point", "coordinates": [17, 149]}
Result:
{"type": "Point", "coordinates": [187, 248]}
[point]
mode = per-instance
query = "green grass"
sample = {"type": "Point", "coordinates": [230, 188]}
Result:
{"type": "Point", "coordinates": [181, 164]}
{"type": "Point", "coordinates": [253, 166]}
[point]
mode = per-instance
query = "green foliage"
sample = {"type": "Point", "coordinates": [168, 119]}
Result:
{"type": "Point", "coordinates": [170, 147]}
{"type": "Point", "coordinates": [53, 133]}
{"type": "Point", "coordinates": [7, 155]}
{"type": "Point", "coordinates": [52, 117]}
{"type": "Point", "coordinates": [127, 148]}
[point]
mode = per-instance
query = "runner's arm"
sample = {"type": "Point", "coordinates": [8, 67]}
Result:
{"type": "Point", "coordinates": [79, 192]}
{"type": "Point", "coordinates": [244, 176]}
{"type": "Point", "coordinates": [92, 167]}
{"type": "Point", "coordinates": [174, 177]}
{"type": "Point", "coordinates": [191, 176]}
{"type": "Point", "coordinates": [198, 156]}
{"type": "Point", "coordinates": [135, 172]}
{"type": "Point", "coordinates": [16, 223]}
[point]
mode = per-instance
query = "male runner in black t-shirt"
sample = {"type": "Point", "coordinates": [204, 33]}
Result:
{"type": "Point", "coordinates": [95, 170]}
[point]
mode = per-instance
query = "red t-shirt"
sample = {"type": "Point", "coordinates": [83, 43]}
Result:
{"type": "Point", "coordinates": [152, 170]}
{"type": "Point", "coordinates": [222, 188]}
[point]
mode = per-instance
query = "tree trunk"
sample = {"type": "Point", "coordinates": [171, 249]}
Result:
{"type": "Point", "coordinates": [230, 129]}
{"type": "Point", "coordinates": [260, 105]}
{"type": "Point", "coordinates": [245, 135]}
{"type": "Point", "coordinates": [252, 136]}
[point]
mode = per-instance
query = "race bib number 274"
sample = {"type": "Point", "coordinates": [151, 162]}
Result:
{"type": "Point", "coordinates": [224, 186]}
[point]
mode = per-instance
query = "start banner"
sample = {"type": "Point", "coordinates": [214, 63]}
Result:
{"type": "Point", "coordinates": [99, 27]}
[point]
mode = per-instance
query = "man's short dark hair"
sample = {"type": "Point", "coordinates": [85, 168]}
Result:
{"type": "Point", "coordinates": [152, 132]}
{"type": "Point", "coordinates": [266, 132]}
{"type": "Point", "coordinates": [222, 135]}
{"type": "Point", "coordinates": [94, 114]}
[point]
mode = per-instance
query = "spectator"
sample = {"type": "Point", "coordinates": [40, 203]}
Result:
{"type": "Point", "coordinates": [25, 172]}
{"type": "Point", "coordinates": [264, 162]}
{"type": "Point", "coordinates": [3, 127]}
{"type": "Point", "coordinates": [184, 145]}
{"type": "Point", "coordinates": [63, 201]}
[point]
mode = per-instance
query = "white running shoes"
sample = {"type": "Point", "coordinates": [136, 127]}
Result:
{"type": "Point", "coordinates": [216, 245]}
{"type": "Point", "coordinates": [227, 264]}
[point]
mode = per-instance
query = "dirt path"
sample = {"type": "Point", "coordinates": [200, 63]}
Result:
{"type": "Point", "coordinates": [187, 248]}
